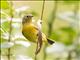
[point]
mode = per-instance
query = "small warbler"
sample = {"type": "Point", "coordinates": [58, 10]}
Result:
{"type": "Point", "coordinates": [30, 31]}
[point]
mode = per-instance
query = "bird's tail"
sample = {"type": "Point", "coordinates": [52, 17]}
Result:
{"type": "Point", "coordinates": [50, 41]}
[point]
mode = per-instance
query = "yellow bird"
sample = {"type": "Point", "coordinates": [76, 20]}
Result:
{"type": "Point", "coordinates": [30, 31]}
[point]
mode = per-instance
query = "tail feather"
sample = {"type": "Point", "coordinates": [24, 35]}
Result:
{"type": "Point", "coordinates": [50, 41]}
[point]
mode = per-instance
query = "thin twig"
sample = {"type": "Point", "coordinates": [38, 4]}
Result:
{"type": "Point", "coordinates": [42, 9]}
{"type": "Point", "coordinates": [10, 30]}
{"type": "Point", "coordinates": [53, 16]}
{"type": "Point", "coordinates": [45, 55]}
{"type": "Point", "coordinates": [39, 42]}
{"type": "Point", "coordinates": [77, 28]}
{"type": "Point", "coordinates": [35, 57]}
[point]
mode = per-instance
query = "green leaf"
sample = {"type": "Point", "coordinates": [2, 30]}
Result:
{"type": "Point", "coordinates": [70, 34]}
{"type": "Point", "coordinates": [54, 36]}
{"type": "Point", "coordinates": [4, 5]}
{"type": "Point", "coordinates": [64, 35]}
{"type": "Point", "coordinates": [4, 16]}
{"type": "Point", "coordinates": [5, 26]}
{"type": "Point", "coordinates": [69, 30]}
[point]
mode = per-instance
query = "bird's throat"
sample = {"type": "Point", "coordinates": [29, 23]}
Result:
{"type": "Point", "coordinates": [27, 22]}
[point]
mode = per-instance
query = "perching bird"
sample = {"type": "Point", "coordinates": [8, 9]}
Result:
{"type": "Point", "coordinates": [30, 31]}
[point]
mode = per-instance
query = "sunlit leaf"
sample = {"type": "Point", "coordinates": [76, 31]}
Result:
{"type": "Point", "coordinates": [18, 20]}
{"type": "Point", "coordinates": [20, 9]}
{"type": "Point", "coordinates": [5, 35]}
{"type": "Point", "coordinates": [66, 16]}
{"type": "Point", "coordinates": [56, 48]}
{"type": "Point", "coordinates": [7, 44]}
{"type": "Point", "coordinates": [4, 5]}
{"type": "Point", "coordinates": [70, 17]}
{"type": "Point", "coordinates": [23, 43]}
{"type": "Point", "coordinates": [3, 14]}
{"type": "Point", "coordinates": [5, 25]}
{"type": "Point", "coordinates": [18, 36]}
{"type": "Point", "coordinates": [22, 57]}
{"type": "Point", "coordinates": [2, 58]}
{"type": "Point", "coordinates": [16, 25]}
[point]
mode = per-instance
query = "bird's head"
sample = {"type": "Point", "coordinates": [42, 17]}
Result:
{"type": "Point", "coordinates": [27, 18]}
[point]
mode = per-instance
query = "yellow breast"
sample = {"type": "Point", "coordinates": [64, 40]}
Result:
{"type": "Point", "coordinates": [30, 32]}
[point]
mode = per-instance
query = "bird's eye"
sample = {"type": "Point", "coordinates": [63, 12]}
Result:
{"type": "Point", "coordinates": [27, 16]}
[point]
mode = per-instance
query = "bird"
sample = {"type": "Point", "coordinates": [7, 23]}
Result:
{"type": "Point", "coordinates": [30, 30]}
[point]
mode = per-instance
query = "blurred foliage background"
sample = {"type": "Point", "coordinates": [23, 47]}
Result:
{"type": "Point", "coordinates": [61, 21]}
